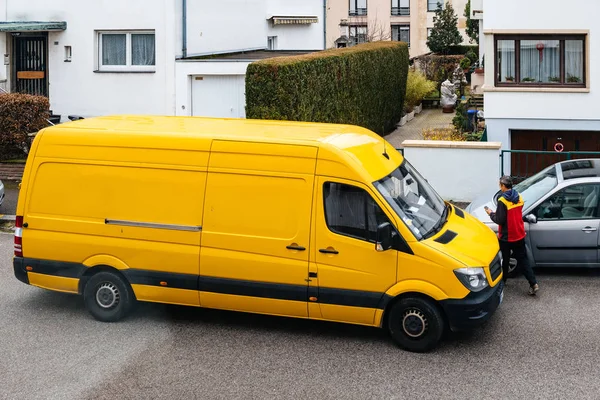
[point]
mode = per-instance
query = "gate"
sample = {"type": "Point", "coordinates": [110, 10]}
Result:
{"type": "Point", "coordinates": [521, 164]}
{"type": "Point", "coordinates": [30, 64]}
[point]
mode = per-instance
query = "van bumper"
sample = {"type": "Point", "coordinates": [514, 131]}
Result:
{"type": "Point", "coordinates": [474, 309]}
{"type": "Point", "coordinates": [20, 272]}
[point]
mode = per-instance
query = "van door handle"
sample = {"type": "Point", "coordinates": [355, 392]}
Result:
{"type": "Point", "coordinates": [295, 247]}
{"type": "Point", "coordinates": [329, 251]}
{"type": "Point", "coordinates": [589, 229]}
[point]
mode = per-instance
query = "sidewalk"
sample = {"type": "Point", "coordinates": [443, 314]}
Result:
{"type": "Point", "coordinates": [428, 118]}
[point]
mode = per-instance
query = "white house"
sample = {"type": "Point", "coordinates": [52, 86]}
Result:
{"type": "Point", "coordinates": [542, 81]}
{"type": "Point", "coordinates": [145, 56]}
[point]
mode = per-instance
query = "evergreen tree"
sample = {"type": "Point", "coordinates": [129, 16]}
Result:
{"type": "Point", "coordinates": [445, 32]}
{"type": "Point", "coordinates": [472, 25]}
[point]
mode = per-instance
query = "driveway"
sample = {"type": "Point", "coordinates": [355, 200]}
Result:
{"type": "Point", "coordinates": [533, 348]}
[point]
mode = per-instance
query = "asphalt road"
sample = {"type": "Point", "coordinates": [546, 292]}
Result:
{"type": "Point", "coordinates": [535, 348]}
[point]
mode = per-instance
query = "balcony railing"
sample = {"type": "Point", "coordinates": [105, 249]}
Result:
{"type": "Point", "coordinates": [402, 11]}
{"type": "Point", "coordinates": [357, 12]}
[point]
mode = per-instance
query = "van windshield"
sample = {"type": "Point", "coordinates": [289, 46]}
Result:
{"type": "Point", "coordinates": [414, 200]}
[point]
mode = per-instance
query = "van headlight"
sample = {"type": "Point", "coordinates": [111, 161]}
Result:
{"type": "Point", "coordinates": [473, 278]}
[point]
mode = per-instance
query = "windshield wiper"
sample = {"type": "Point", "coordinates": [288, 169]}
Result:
{"type": "Point", "coordinates": [440, 224]}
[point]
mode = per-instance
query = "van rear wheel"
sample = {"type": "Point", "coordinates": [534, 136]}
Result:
{"type": "Point", "coordinates": [416, 324]}
{"type": "Point", "coordinates": [108, 297]}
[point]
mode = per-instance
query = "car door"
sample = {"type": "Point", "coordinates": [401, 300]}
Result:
{"type": "Point", "coordinates": [352, 275]}
{"type": "Point", "coordinates": [566, 231]}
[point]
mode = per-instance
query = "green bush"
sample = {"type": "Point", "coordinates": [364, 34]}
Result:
{"type": "Point", "coordinates": [465, 63]}
{"type": "Point", "coordinates": [362, 85]}
{"type": "Point", "coordinates": [472, 56]}
{"type": "Point", "coordinates": [20, 115]}
{"type": "Point", "coordinates": [417, 87]}
{"type": "Point", "coordinates": [462, 50]}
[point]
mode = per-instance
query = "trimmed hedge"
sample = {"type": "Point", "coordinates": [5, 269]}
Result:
{"type": "Point", "coordinates": [20, 115]}
{"type": "Point", "coordinates": [362, 85]}
{"type": "Point", "coordinates": [462, 50]}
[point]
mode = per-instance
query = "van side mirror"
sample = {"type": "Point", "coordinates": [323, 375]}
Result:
{"type": "Point", "coordinates": [530, 218]}
{"type": "Point", "coordinates": [384, 239]}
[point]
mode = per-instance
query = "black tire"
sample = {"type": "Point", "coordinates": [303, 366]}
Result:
{"type": "Point", "coordinates": [108, 297]}
{"type": "Point", "coordinates": [416, 324]}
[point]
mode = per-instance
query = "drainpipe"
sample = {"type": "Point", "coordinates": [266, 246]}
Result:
{"type": "Point", "coordinates": [184, 29]}
{"type": "Point", "coordinates": [324, 24]}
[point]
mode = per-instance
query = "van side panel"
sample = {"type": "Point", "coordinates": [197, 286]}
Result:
{"type": "Point", "coordinates": [147, 216]}
{"type": "Point", "coordinates": [253, 213]}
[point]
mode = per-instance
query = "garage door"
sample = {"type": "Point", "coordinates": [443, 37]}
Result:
{"type": "Point", "coordinates": [221, 96]}
{"type": "Point", "coordinates": [523, 164]}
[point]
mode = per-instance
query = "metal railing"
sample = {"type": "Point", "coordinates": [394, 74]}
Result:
{"type": "Point", "coordinates": [358, 12]}
{"type": "Point", "coordinates": [401, 11]}
{"type": "Point", "coordinates": [521, 164]}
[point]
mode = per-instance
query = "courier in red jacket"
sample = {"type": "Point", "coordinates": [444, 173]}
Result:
{"type": "Point", "coordinates": [511, 231]}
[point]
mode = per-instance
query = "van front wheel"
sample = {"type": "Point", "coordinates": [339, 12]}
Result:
{"type": "Point", "coordinates": [415, 324]}
{"type": "Point", "coordinates": [108, 297]}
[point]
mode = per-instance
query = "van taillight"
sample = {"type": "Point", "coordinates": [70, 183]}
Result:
{"type": "Point", "coordinates": [19, 237]}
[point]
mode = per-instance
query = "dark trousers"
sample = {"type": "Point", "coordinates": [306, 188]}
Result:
{"type": "Point", "coordinates": [519, 253]}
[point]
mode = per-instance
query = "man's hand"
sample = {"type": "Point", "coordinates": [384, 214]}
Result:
{"type": "Point", "coordinates": [487, 210]}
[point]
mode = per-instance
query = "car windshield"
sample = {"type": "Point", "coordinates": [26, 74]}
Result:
{"type": "Point", "coordinates": [532, 189]}
{"type": "Point", "coordinates": [414, 200]}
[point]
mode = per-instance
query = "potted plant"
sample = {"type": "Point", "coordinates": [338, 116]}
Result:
{"type": "Point", "coordinates": [573, 79]}
{"type": "Point", "coordinates": [403, 120]}
{"type": "Point", "coordinates": [554, 79]}
{"type": "Point", "coordinates": [480, 67]}
{"type": "Point", "coordinates": [410, 113]}
{"type": "Point", "coordinates": [417, 87]}
{"type": "Point", "coordinates": [509, 78]}
{"type": "Point", "coordinates": [465, 64]}
{"type": "Point", "coordinates": [527, 80]}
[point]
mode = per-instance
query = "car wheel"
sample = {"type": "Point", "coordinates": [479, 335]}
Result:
{"type": "Point", "coordinates": [108, 297]}
{"type": "Point", "coordinates": [415, 324]}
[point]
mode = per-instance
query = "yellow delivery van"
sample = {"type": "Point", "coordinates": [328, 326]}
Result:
{"type": "Point", "coordinates": [305, 220]}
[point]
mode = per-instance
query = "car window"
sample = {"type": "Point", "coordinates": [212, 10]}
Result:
{"type": "Point", "coordinates": [573, 202]}
{"type": "Point", "coordinates": [351, 211]}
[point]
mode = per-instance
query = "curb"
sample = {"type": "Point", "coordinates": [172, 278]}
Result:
{"type": "Point", "coordinates": [7, 217]}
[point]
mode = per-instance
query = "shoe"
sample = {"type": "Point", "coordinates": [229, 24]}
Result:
{"type": "Point", "coordinates": [534, 289]}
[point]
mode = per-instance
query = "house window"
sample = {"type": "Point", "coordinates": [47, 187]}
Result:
{"type": "Point", "coordinates": [401, 7]}
{"type": "Point", "coordinates": [401, 33]}
{"type": "Point", "coordinates": [432, 5]}
{"type": "Point", "coordinates": [272, 42]}
{"type": "Point", "coordinates": [540, 60]}
{"type": "Point", "coordinates": [126, 51]}
{"type": "Point", "coordinates": [358, 7]}
{"type": "Point", "coordinates": [358, 34]}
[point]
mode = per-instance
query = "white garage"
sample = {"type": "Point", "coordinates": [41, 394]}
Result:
{"type": "Point", "coordinates": [219, 96]}
{"type": "Point", "coordinates": [215, 86]}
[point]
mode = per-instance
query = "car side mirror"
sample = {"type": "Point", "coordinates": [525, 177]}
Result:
{"type": "Point", "coordinates": [530, 218]}
{"type": "Point", "coordinates": [384, 237]}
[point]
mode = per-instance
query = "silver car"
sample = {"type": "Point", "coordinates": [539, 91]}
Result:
{"type": "Point", "coordinates": [561, 213]}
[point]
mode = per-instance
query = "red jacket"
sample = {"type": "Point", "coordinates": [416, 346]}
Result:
{"type": "Point", "coordinates": [509, 217]}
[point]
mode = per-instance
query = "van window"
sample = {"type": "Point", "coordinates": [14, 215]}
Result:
{"type": "Point", "coordinates": [351, 211]}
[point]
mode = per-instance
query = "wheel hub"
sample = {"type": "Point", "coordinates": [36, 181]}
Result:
{"type": "Point", "coordinates": [107, 295]}
{"type": "Point", "coordinates": [414, 323]}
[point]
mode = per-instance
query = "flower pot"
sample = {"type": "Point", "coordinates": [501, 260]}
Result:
{"type": "Point", "coordinates": [410, 116]}
{"type": "Point", "coordinates": [479, 70]}
{"type": "Point", "coordinates": [402, 121]}
{"type": "Point", "coordinates": [419, 108]}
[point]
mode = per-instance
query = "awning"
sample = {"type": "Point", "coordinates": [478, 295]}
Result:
{"type": "Point", "coordinates": [291, 20]}
{"type": "Point", "coordinates": [32, 26]}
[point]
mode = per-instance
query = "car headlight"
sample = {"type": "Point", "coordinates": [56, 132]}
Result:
{"type": "Point", "coordinates": [473, 278]}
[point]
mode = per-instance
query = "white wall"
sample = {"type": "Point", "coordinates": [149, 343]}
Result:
{"type": "Point", "coordinates": [75, 88]}
{"type": "Point", "coordinates": [536, 15]}
{"type": "Point", "coordinates": [297, 37]}
{"type": "Point", "coordinates": [458, 171]}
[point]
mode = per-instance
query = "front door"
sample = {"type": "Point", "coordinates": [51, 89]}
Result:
{"type": "Point", "coordinates": [352, 276]}
{"type": "Point", "coordinates": [566, 232]}
{"type": "Point", "coordinates": [30, 64]}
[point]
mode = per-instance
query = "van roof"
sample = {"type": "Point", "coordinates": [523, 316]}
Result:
{"type": "Point", "coordinates": [358, 145]}
{"type": "Point", "coordinates": [211, 128]}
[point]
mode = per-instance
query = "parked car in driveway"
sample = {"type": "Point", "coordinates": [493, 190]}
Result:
{"type": "Point", "coordinates": [561, 213]}
{"type": "Point", "coordinates": [1, 193]}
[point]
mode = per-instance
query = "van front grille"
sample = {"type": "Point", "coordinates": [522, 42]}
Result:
{"type": "Point", "coordinates": [495, 268]}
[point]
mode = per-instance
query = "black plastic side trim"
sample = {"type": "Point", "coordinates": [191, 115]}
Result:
{"type": "Point", "coordinates": [254, 289]}
{"type": "Point", "coordinates": [154, 278]}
